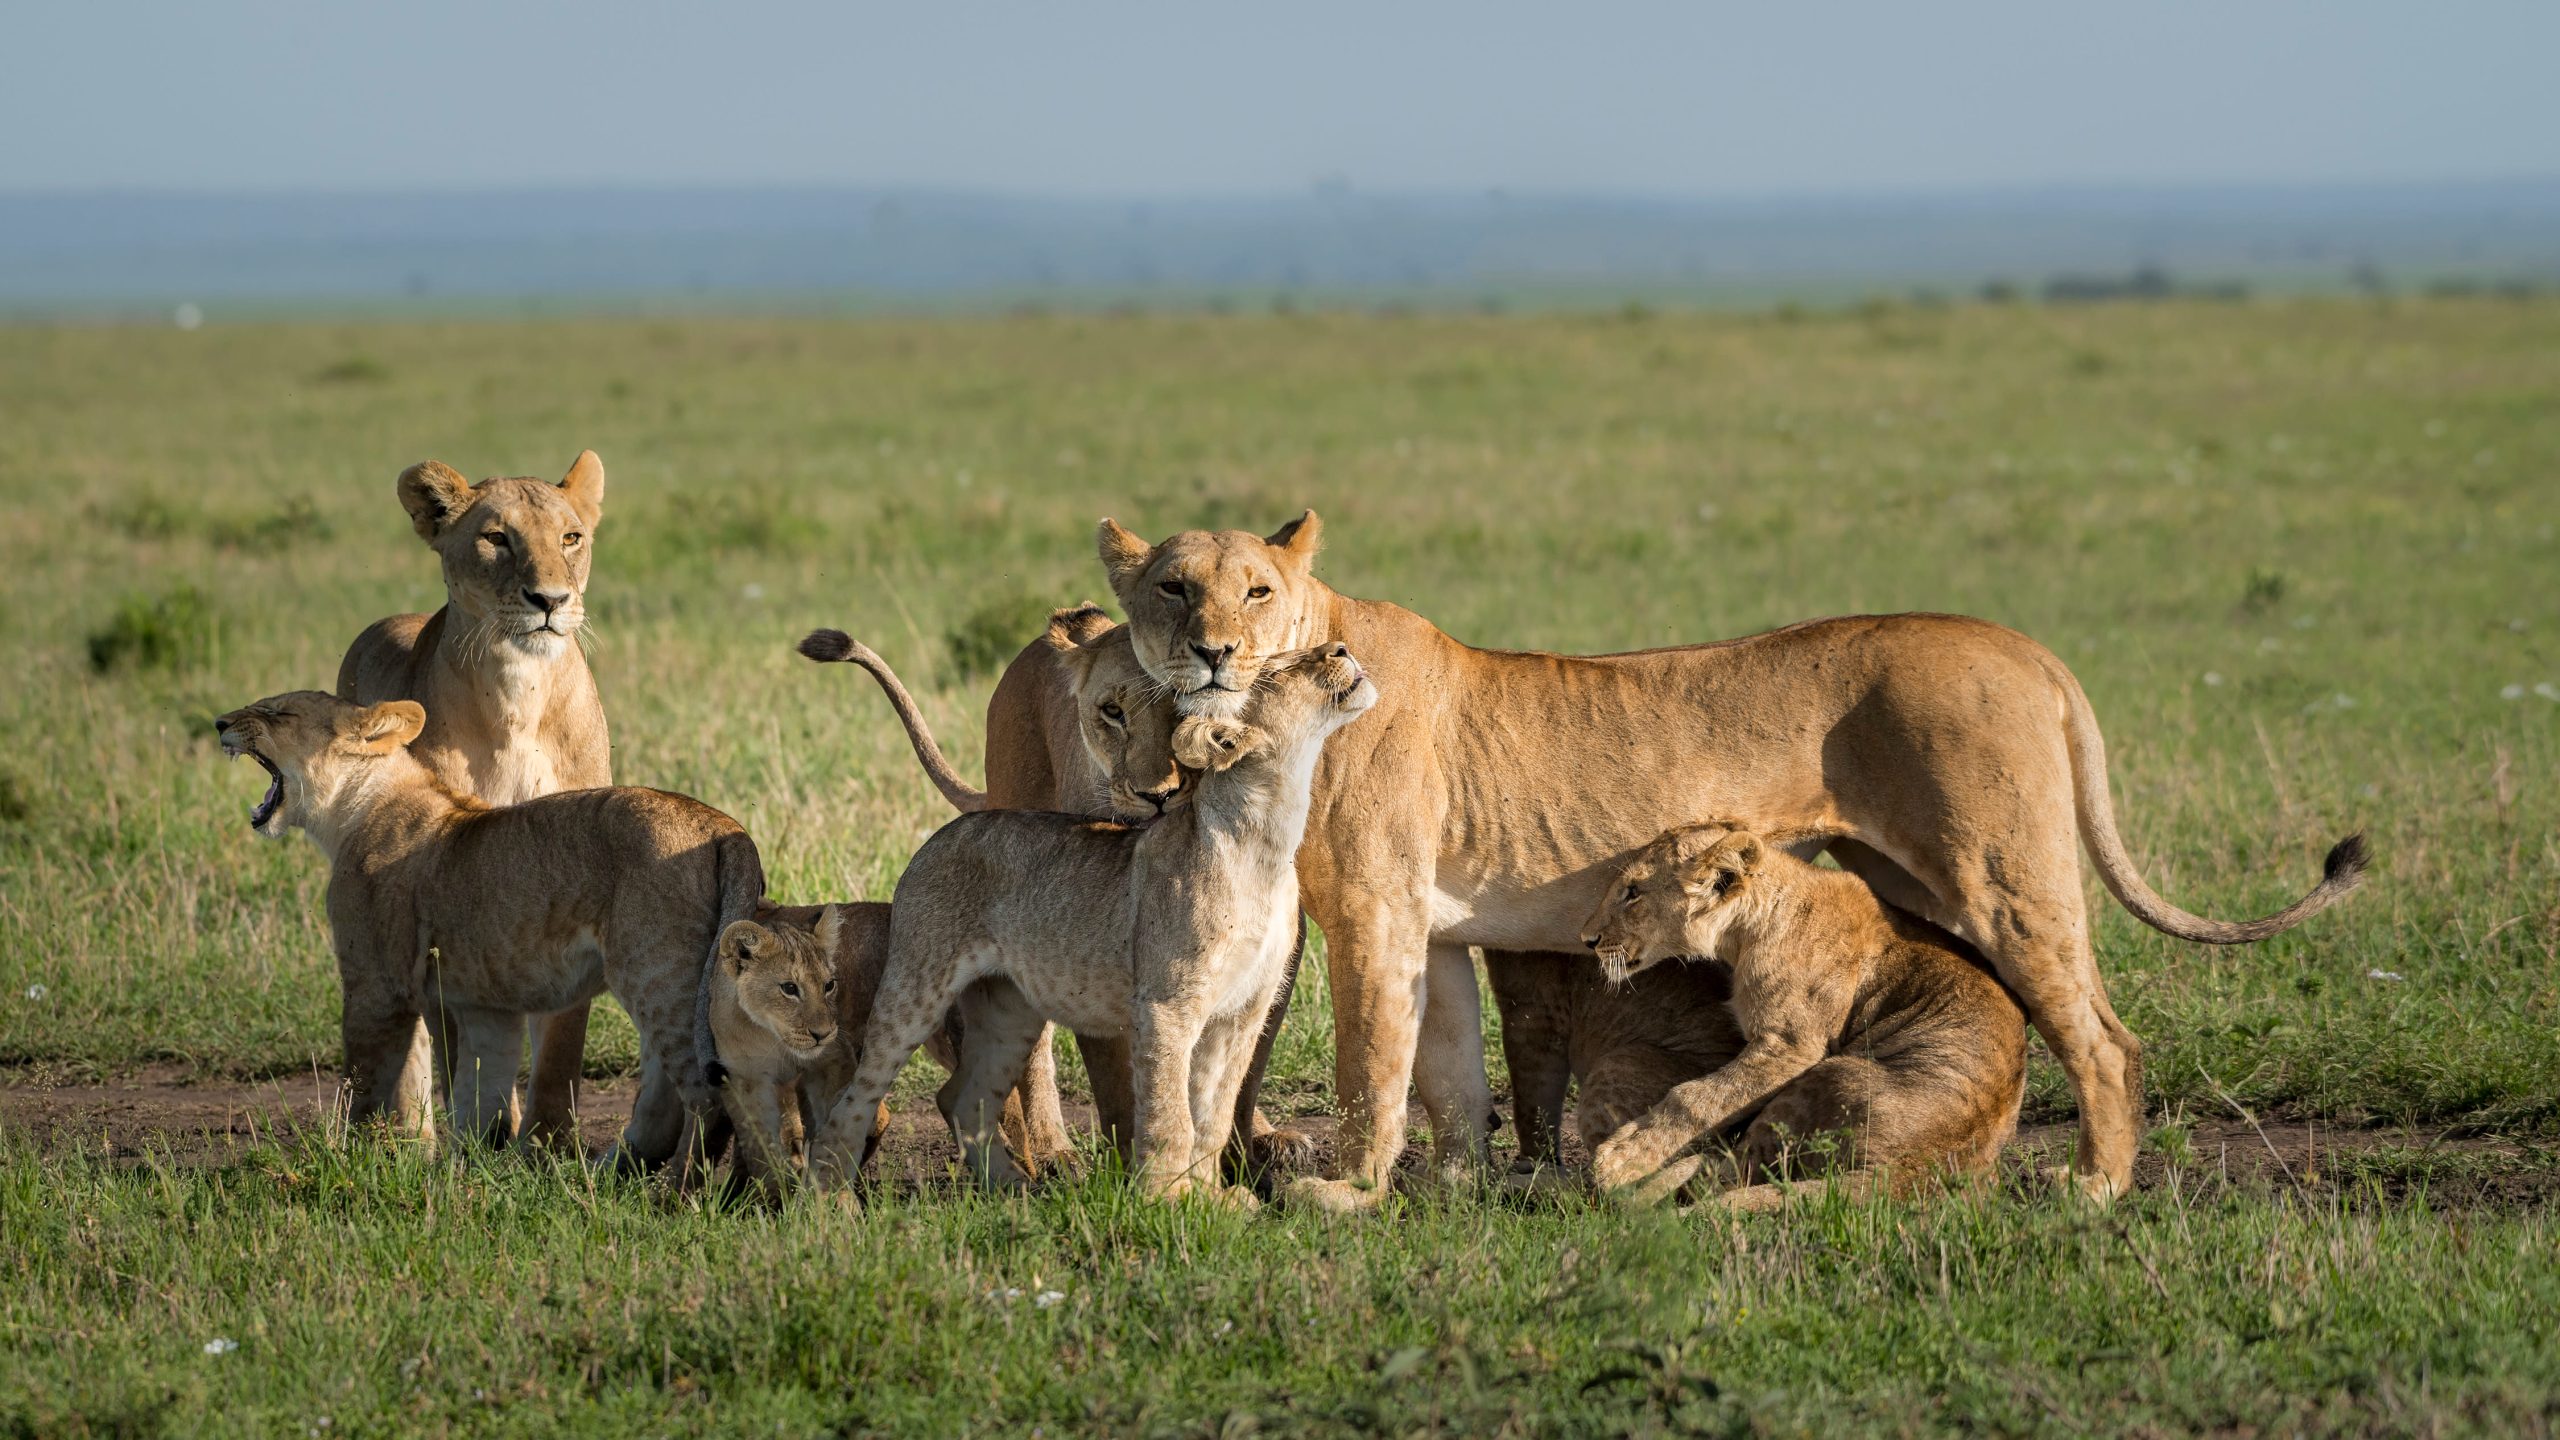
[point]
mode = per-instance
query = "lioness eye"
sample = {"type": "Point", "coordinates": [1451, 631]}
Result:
{"type": "Point", "coordinates": [1629, 896]}
{"type": "Point", "coordinates": [1171, 588]}
{"type": "Point", "coordinates": [790, 989]}
{"type": "Point", "coordinates": [572, 538]}
{"type": "Point", "coordinates": [1257, 592]}
{"type": "Point", "coordinates": [495, 537]}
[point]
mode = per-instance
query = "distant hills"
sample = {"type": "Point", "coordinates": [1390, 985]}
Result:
{"type": "Point", "coordinates": [74, 253]}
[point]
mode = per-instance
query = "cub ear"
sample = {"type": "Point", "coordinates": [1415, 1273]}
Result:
{"type": "Point", "coordinates": [741, 942]}
{"type": "Point", "coordinates": [434, 494]}
{"type": "Point", "coordinates": [830, 929]}
{"type": "Point", "coordinates": [381, 729]}
{"type": "Point", "coordinates": [1124, 555]}
{"type": "Point", "coordinates": [1745, 852]}
{"type": "Point", "coordinates": [1203, 743]}
{"type": "Point", "coordinates": [584, 485]}
{"type": "Point", "coordinates": [1300, 538]}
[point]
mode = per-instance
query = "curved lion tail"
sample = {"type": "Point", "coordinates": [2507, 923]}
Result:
{"type": "Point", "coordinates": [827, 646]}
{"type": "Point", "coordinates": [2340, 874]}
{"type": "Point", "coordinates": [741, 871]}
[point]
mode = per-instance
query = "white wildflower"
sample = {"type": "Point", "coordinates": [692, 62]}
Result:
{"type": "Point", "coordinates": [2511, 692]}
{"type": "Point", "coordinates": [1047, 1298]}
{"type": "Point", "coordinates": [35, 992]}
{"type": "Point", "coordinates": [2213, 677]}
{"type": "Point", "coordinates": [2384, 975]}
{"type": "Point", "coordinates": [221, 1345]}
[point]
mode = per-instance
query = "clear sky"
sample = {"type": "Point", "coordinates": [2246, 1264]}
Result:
{"type": "Point", "coordinates": [1122, 99]}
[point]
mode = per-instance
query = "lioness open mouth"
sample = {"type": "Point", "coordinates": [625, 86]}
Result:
{"type": "Point", "coordinates": [269, 803]}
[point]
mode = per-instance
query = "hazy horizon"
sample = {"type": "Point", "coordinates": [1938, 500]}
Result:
{"type": "Point", "coordinates": [1653, 100]}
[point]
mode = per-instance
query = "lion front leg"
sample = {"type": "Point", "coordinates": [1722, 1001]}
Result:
{"type": "Point", "coordinates": [1163, 1045]}
{"type": "Point", "coordinates": [1696, 1109]}
{"type": "Point", "coordinates": [1376, 956]}
{"type": "Point", "coordinates": [390, 1056]}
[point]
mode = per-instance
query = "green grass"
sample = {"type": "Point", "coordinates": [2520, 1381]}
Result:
{"type": "Point", "coordinates": [2301, 554]}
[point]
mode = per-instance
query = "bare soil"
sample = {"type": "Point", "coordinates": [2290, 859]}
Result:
{"type": "Point", "coordinates": [157, 1115]}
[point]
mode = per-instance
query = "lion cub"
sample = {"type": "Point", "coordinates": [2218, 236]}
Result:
{"type": "Point", "coordinates": [1626, 1044]}
{"type": "Point", "coordinates": [1860, 1021]}
{"type": "Point", "coordinates": [1176, 935]}
{"type": "Point", "coordinates": [441, 904]}
{"type": "Point", "coordinates": [787, 994]}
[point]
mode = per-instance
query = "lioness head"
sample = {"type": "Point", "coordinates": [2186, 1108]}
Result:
{"type": "Point", "coordinates": [785, 979]}
{"type": "Point", "coordinates": [1675, 898]}
{"type": "Point", "coordinates": [1302, 697]}
{"type": "Point", "coordinates": [514, 549]}
{"type": "Point", "coordinates": [1208, 609]}
{"type": "Point", "coordinates": [315, 749]}
{"type": "Point", "coordinates": [1126, 719]}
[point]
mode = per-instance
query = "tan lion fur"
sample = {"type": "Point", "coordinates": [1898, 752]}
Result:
{"type": "Point", "coordinates": [1953, 764]}
{"type": "Point", "coordinates": [512, 710]}
{"type": "Point", "coordinates": [1861, 1024]}
{"type": "Point", "coordinates": [439, 902]}
{"type": "Point", "coordinates": [1047, 750]}
{"type": "Point", "coordinates": [1175, 936]}
{"type": "Point", "coordinates": [1621, 1046]}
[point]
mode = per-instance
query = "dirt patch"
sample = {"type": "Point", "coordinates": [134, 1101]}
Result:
{"type": "Point", "coordinates": [157, 1114]}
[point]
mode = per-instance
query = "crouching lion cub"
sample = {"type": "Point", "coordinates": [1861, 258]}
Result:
{"type": "Point", "coordinates": [1626, 1044]}
{"type": "Point", "coordinates": [491, 914]}
{"type": "Point", "coordinates": [1860, 1022]}
{"type": "Point", "coordinates": [1176, 936]}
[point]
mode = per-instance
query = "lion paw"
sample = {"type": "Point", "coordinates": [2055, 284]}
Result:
{"type": "Point", "coordinates": [1541, 1182]}
{"type": "Point", "coordinates": [2095, 1188]}
{"type": "Point", "coordinates": [1331, 1197]}
{"type": "Point", "coordinates": [1281, 1149]}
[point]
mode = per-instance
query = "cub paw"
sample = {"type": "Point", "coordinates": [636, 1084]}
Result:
{"type": "Point", "coordinates": [1331, 1197]}
{"type": "Point", "coordinates": [1281, 1148]}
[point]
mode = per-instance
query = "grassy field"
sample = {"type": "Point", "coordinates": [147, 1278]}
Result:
{"type": "Point", "coordinates": [2301, 555]}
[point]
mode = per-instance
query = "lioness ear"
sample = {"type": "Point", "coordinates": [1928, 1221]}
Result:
{"type": "Point", "coordinates": [1300, 537]}
{"type": "Point", "coordinates": [830, 929]}
{"type": "Point", "coordinates": [1203, 743]}
{"type": "Point", "coordinates": [383, 728]}
{"type": "Point", "coordinates": [739, 943]}
{"type": "Point", "coordinates": [1123, 553]}
{"type": "Point", "coordinates": [434, 494]}
{"type": "Point", "coordinates": [584, 485]}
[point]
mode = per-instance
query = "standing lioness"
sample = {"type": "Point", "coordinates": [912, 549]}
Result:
{"type": "Point", "coordinates": [1953, 764]}
{"type": "Point", "coordinates": [512, 710]}
{"type": "Point", "coordinates": [440, 903]}
{"type": "Point", "coordinates": [1175, 936]}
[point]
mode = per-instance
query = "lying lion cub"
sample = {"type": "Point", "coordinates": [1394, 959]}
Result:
{"type": "Point", "coordinates": [1859, 1021]}
{"type": "Point", "coordinates": [494, 914]}
{"type": "Point", "coordinates": [1176, 936]}
{"type": "Point", "coordinates": [1624, 1044]}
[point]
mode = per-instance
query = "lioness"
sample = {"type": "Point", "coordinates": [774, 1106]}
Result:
{"type": "Point", "coordinates": [1860, 1021]}
{"type": "Point", "coordinates": [440, 902]}
{"type": "Point", "coordinates": [1106, 752]}
{"type": "Point", "coordinates": [512, 711]}
{"type": "Point", "coordinates": [1948, 762]}
{"type": "Point", "coordinates": [1176, 935]}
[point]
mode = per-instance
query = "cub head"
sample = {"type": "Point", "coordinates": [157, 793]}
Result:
{"type": "Point", "coordinates": [1302, 697]}
{"type": "Point", "coordinates": [315, 748]}
{"type": "Point", "coordinates": [514, 550]}
{"type": "Point", "coordinates": [1675, 898]}
{"type": "Point", "coordinates": [1209, 609]}
{"type": "Point", "coordinates": [1126, 719]}
{"type": "Point", "coordinates": [784, 979]}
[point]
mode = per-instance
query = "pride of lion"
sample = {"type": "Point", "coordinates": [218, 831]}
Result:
{"type": "Point", "coordinates": [1168, 800]}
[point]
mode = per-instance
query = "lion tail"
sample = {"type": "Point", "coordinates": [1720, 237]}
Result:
{"type": "Point", "coordinates": [741, 871]}
{"type": "Point", "coordinates": [2341, 873]}
{"type": "Point", "coordinates": [827, 646]}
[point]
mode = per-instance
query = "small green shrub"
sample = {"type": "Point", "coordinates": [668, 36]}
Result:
{"type": "Point", "coordinates": [174, 630]}
{"type": "Point", "coordinates": [353, 370]}
{"type": "Point", "coordinates": [993, 632]}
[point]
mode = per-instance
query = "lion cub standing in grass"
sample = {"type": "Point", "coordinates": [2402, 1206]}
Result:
{"type": "Point", "coordinates": [1860, 1022]}
{"type": "Point", "coordinates": [1176, 935]}
{"type": "Point", "coordinates": [787, 995]}
{"type": "Point", "coordinates": [438, 902]}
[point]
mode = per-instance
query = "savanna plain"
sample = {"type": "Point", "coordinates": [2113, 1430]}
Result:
{"type": "Point", "coordinates": [2301, 554]}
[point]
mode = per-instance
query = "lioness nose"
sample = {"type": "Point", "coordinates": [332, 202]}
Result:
{"type": "Point", "coordinates": [1213, 657]}
{"type": "Point", "coordinates": [547, 601]}
{"type": "Point", "coordinates": [1161, 796]}
{"type": "Point", "coordinates": [1591, 942]}
{"type": "Point", "coordinates": [222, 726]}
{"type": "Point", "coordinates": [1338, 652]}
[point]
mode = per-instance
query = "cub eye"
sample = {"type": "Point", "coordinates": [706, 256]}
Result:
{"type": "Point", "coordinates": [1724, 882]}
{"type": "Point", "coordinates": [791, 989]}
{"type": "Point", "coordinates": [1171, 589]}
{"type": "Point", "coordinates": [830, 988]}
{"type": "Point", "coordinates": [571, 539]}
{"type": "Point", "coordinates": [1627, 896]}
{"type": "Point", "coordinates": [1258, 592]}
{"type": "Point", "coordinates": [1113, 713]}
{"type": "Point", "coordinates": [495, 537]}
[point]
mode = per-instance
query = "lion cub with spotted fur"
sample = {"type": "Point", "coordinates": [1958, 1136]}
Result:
{"type": "Point", "coordinates": [488, 914]}
{"type": "Point", "coordinates": [1176, 936]}
{"type": "Point", "coordinates": [1859, 1021]}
